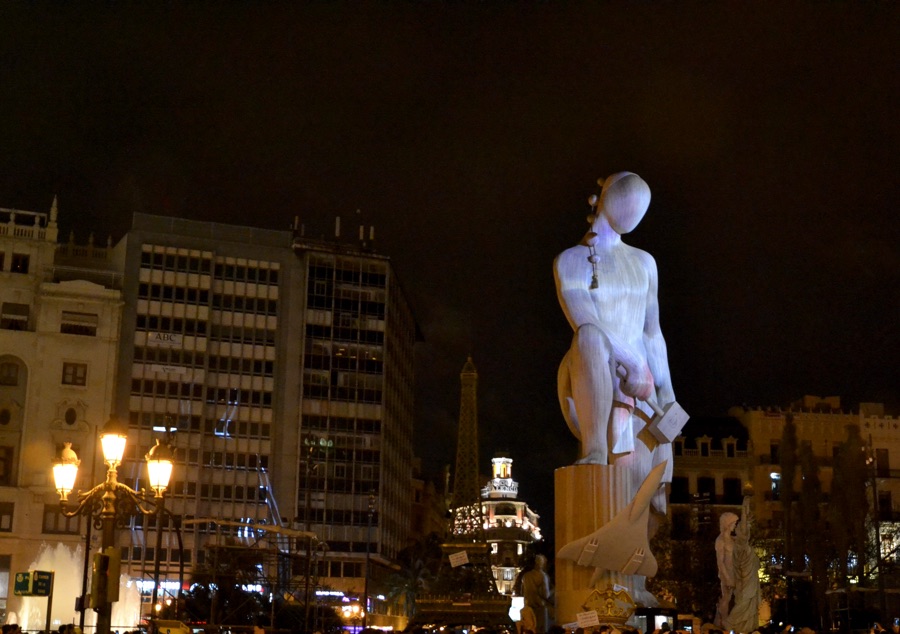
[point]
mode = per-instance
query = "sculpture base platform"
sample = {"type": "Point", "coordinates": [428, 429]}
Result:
{"type": "Point", "coordinates": [588, 496]}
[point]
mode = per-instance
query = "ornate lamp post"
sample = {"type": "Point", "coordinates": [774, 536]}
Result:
{"type": "Point", "coordinates": [111, 502]}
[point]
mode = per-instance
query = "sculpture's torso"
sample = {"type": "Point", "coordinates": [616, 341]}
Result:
{"type": "Point", "coordinates": [619, 303]}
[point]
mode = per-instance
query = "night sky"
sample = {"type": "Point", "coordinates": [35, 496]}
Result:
{"type": "Point", "coordinates": [471, 135]}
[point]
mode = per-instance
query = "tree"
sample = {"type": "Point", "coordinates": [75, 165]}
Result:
{"type": "Point", "coordinates": [419, 564]}
{"type": "Point", "coordinates": [849, 508]}
{"type": "Point", "coordinates": [688, 573]}
{"type": "Point", "coordinates": [812, 532]}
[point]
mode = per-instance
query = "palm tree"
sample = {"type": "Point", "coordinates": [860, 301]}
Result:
{"type": "Point", "coordinates": [419, 563]}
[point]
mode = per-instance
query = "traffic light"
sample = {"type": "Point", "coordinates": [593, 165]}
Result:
{"type": "Point", "coordinates": [105, 578]}
{"type": "Point", "coordinates": [112, 573]}
{"type": "Point", "coordinates": [99, 580]}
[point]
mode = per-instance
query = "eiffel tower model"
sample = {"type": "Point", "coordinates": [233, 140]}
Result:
{"type": "Point", "coordinates": [464, 591]}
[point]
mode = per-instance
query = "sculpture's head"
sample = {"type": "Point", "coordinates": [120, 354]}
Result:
{"type": "Point", "coordinates": [540, 562]}
{"type": "Point", "coordinates": [727, 522]}
{"type": "Point", "coordinates": [623, 201]}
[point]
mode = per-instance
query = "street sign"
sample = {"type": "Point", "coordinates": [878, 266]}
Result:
{"type": "Point", "coordinates": [34, 583]}
{"type": "Point", "coordinates": [22, 587]}
{"type": "Point", "coordinates": [41, 583]}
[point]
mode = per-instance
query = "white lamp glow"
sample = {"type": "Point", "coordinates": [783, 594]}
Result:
{"type": "Point", "coordinates": [159, 467]}
{"type": "Point", "coordinates": [112, 440]}
{"type": "Point", "coordinates": [66, 471]}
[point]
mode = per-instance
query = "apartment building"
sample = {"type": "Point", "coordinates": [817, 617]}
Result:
{"type": "Point", "coordinates": [60, 313]}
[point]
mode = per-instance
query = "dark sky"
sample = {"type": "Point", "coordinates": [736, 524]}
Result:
{"type": "Point", "coordinates": [470, 135]}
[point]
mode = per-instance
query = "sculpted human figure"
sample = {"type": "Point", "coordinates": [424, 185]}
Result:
{"type": "Point", "coordinates": [618, 357]}
{"type": "Point", "coordinates": [744, 616]}
{"type": "Point", "coordinates": [725, 561]}
{"type": "Point", "coordinates": [536, 592]}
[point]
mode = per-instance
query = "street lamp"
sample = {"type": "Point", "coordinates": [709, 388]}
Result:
{"type": "Point", "coordinates": [353, 612]}
{"type": "Point", "coordinates": [111, 500]}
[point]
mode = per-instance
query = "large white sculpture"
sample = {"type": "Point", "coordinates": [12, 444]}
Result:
{"type": "Point", "coordinates": [617, 360]}
{"type": "Point", "coordinates": [617, 398]}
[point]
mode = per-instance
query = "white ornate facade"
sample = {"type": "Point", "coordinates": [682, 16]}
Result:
{"type": "Point", "coordinates": [59, 328]}
{"type": "Point", "coordinates": [510, 525]}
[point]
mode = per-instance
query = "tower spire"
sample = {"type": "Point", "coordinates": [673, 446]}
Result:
{"type": "Point", "coordinates": [465, 505]}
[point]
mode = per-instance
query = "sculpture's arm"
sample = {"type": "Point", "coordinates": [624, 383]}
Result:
{"type": "Point", "coordinates": [743, 528]}
{"type": "Point", "coordinates": [572, 291]}
{"type": "Point", "coordinates": [654, 343]}
{"type": "Point", "coordinates": [726, 574]}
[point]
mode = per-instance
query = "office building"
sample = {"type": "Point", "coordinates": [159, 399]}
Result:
{"type": "Point", "coordinates": [286, 366]}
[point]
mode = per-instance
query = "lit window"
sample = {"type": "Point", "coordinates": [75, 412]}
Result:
{"type": "Point", "coordinates": [57, 523]}
{"type": "Point", "coordinates": [74, 374]}
{"type": "Point", "coordinates": [6, 516]}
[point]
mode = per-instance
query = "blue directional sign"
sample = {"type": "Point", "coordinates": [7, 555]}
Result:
{"type": "Point", "coordinates": [34, 583]}
{"type": "Point", "coordinates": [41, 583]}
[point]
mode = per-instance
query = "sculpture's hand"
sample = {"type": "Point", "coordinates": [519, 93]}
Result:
{"type": "Point", "coordinates": [636, 380]}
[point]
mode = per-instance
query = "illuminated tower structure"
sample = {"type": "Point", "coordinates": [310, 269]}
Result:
{"type": "Point", "coordinates": [510, 525]}
{"type": "Point", "coordinates": [466, 568]}
{"type": "Point", "coordinates": [466, 519]}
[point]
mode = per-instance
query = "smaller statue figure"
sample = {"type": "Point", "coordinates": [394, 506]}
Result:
{"type": "Point", "coordinates": [536, 591]}
{"type": "Point", "coordinates": [725, 560]}
{"type": "Point", "coordinates": [744, 616]}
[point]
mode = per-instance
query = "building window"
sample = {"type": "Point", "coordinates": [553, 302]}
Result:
{"type": "Point", "coordinates": [14, 316]}
{"type": "Point", "coordinates": [58, 524]}
{"type": "Point", "coordinates": [706, 487]}
{"type": "Point", "coordinates": [78, 324]}
{"type": "Point", "coordinates": [19, 263]}
{"type": "Point", "coordinates": [6, 466]}
{"type": "Point", "coordinates": [681, 493]}
{"type": "Point", "coordinates": [74, 374]}
{"type": "Point", "coordinates": [733, 490]}
{"type": "Point", "coordinates": [9, 373]}
{"type": "Point", "coordinates": [5, 563]}
{"type": "Point", "coordinates": [6, 517]}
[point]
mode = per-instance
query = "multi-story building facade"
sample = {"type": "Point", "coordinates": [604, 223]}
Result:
{"type": "Point", "coordinates": [719, 460]}
{"type": "Point", "coordinates": [60, 312]}
{"type": "Point", "coordinates": [282, 367]}
{"type": "Point", "coordinates": [510, 525]}
{"type": "Point", "coordinates": [286, 365]}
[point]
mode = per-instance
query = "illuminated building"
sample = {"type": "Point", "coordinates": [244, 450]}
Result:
{"type": "Point", "coordinates": [286, 365]}
{"type": "Point", "coordinates": [510, 526]}
{"type": "Point", "coordinates": [718, 460]}
{"type": "Point", "coordinates": [60, 308]}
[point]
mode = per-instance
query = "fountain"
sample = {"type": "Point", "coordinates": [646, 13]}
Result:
{"type": "Point", "coordinates": [67, 563]}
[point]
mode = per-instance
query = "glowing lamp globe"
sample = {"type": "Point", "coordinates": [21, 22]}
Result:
{"type": "Point", "coordinates": [112, 439]}
{"type": "Point", "coordinates": [65, 471]}
{"type": "Point", "coordinates": [159, 467]}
